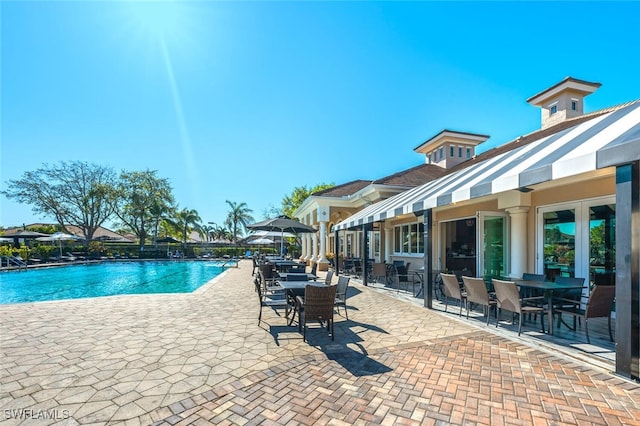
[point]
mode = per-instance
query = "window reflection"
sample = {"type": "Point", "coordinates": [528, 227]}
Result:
{"type": "Point", "coordinates": [559, 243]}
{"type": "Point", "coordinates": [602, 244]}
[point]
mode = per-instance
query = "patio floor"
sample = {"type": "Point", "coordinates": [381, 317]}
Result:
{"type": "Point", "coordinates": [202, 358]}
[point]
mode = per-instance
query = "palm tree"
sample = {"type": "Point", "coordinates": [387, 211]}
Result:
{"type": "Point", "coordinates": [159, 212]}
{"type": "Point", "coordinates": [238, 218]}
{"type": "Point", "coordinates": [186, 221]}
{"type": "Point", "coordinates": [206, 232]}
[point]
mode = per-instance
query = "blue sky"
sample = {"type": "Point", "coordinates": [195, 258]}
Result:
{"type": "Point", "coordinates": [244, 101]}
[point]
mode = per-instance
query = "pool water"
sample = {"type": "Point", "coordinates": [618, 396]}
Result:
{"type": "Point", "coordinates": [105, 279]}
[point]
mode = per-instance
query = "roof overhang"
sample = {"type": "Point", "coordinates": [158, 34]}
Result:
{"type": "Point", "coordinates": [608, 140]}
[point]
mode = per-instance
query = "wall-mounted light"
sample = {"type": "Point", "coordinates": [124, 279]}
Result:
{"type": "Point", "coordinates": [525, 189]}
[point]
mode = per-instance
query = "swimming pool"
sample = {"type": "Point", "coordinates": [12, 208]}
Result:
{"type": "Point", "coordinates": [105, 279]}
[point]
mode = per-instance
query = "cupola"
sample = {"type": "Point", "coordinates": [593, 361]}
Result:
{"type": "Point", "coordinates": [448, 148]}
{"type": "Point", "coordinates": [563, 100]}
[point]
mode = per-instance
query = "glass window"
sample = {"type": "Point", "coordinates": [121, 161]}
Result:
{"type": "Point", "coordinates": [376, 244]}
{"type": "Point", "coordinates": [451, 149]}
{"type": "Point", "coordinates": [559, 243]}
{"type": "Point", "coordinates": [406, 235]}
{"type": "Point", "coordinates": [602, 244]}
{"type": "Point", "coordinates": [441, 152]}
{"type": "Point", "coordinates": [460, 151]}
{"type": "Point", "coordinates": [574, 105]}
{"type": "Point", "coordinates": [349, 252]}
{"type": "Point", "coordinates": [554, 109]}
{"type": "Point", "coordinates": [468, 153]}
{"type": "Point", "coordinates": [413, 239]}
{"type": "Point", "coordinates": [578, 240]}
{"type": "Point", "coordinates": [408, 238]}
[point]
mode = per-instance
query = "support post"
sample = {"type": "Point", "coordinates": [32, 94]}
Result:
{"type": "Point", "coordinates": [427, 281]}
{"type": "Point", "coordinates": [365, 252]}
{"type": "Point", "coordinates": [628, 270]}
{"type": "Point", "coordinates": [336, 253]}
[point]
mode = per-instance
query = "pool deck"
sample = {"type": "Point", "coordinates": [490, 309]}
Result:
{"type": "Point", "coordinates": [202, 358]}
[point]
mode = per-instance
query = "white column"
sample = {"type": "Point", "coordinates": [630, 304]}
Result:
{"type": "Point", "coordinates": [518, 240]}
{"type": "Point", "coordinates": [388, 243]}
{"type": "Point", "coordinates": [306, 242]}
{"type": "Point", "coordinates": [322, 258]}
{"type": "Point", "coordinates": [303, 247]}
{"type": "Point", "coordinates": [314, 238]}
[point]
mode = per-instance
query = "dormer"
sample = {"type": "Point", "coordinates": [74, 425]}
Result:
{"type": "Point", "coordinates": [448, 148]}
{"type": "Point", "coordinates": [563, 101]}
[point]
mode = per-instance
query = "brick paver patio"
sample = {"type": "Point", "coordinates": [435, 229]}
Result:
{"type": "Point", "coordinates": [202, 358]}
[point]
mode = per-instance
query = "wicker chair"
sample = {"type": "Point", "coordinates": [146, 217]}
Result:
{"type": "Point", "coordinates": [599, 305]}
{"type": "Point", "coordinates": [268, 285]}
{"type": "Point", "coordinates": [268, 272]}
{"type": "Point", "coordinates": [452, 290]}
{"type": "Point", "coordinates": [477, 293]}
{"type": "Point", "coordinates": [255, 265]}
{"type": "Point", "coordinates": [508, 298]}
{"type": "Point", "coordinates": [379, 273]}
{"type": "Point", "coordinates": [317, 305]}
{"type": "Point", "coordinates": [569, 299]}
{"type": "Point", "coordinates": [314, 269]}
{"type": "Point", "coordinates": [275, 301]}
{"type": "Point", "coordinates": [402, 275]}
{"type": "Point", "coordinates": [341, 294]}
{"type": "Point", "coordinates": [328, 278]}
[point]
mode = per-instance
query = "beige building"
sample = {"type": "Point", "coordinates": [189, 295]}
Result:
{"type": "Point", "coordinates": [326, 208]}
{"type": "Point", "coordinates": [560, 201]}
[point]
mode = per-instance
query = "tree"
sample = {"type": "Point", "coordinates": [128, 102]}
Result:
{"type": "Point", "coordinates": [186, 221]}
{"type": "Point", "coordinates": [290, 203]}
{"type": "Point", "coordinates": [160, 212]}
{"type": "Point", "coordinates": [142, 197]}
{"type": "Point", "coordinates": [272, 211]}
{"type": "Point", "coordinates": [221, 233]}
{"type": "Point", "coordinates": [206, 232]}
{"type": "Point", "coordinates": [74, 193]}
{"type": "Point", "coordinates": [238, 218]}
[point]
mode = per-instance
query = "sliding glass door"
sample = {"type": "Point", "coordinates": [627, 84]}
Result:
{"type": "Point", "coordinates": [493, 245]}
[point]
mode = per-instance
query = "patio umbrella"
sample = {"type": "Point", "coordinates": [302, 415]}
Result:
{"type": "Point", "coordinates": [59, 237]}
{"type": "Point", "coordinates": [24, 234]}
{"type": "Point", "coordinates": [282, 224]}
{"type": "Point", "coordinates": [264, 241]}
{"type": "Point", "coordinates": [270, 234]}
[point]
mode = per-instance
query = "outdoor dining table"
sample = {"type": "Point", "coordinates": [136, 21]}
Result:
{"type": "Point", "coordinates": [285, 265]}
{"type": "Point", "coordinates": [294, 289]}
{"type": "Point", "coordinates": [547, 287]}
{"type": "Point", "coordinates": [285, 275]}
